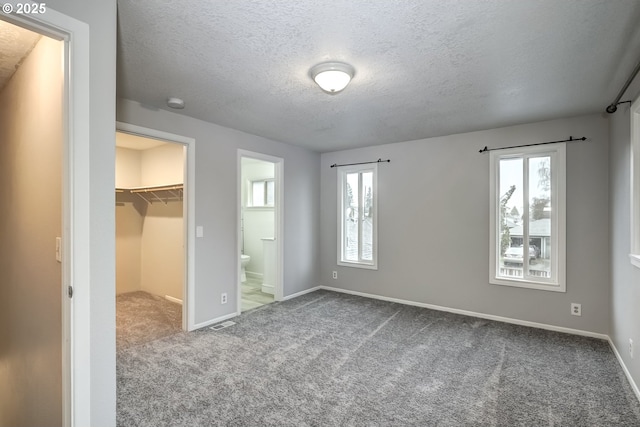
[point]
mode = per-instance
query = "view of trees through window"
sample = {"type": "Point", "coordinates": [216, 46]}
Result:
{"type": "Point", "coordinates": [525, 206]}
{"type": "Point", "coordinates": [358, 217]}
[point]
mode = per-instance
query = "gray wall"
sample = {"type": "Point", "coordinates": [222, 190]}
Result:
{"type": "Point", "coordinates": [216, 205]}
{"type": "Point", "coordinates": [433, 211]}
{"type": "Point", "coordinates": [625, 279]}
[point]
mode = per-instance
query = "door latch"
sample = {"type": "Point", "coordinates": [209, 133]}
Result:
{"type": "Point", "coordinates": [70, 291]}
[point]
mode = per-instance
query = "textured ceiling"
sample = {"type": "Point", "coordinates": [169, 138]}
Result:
{"type": "Point", "coordinates": [15, 45]}
{"type": "Point", "coordinates": [424, 68]}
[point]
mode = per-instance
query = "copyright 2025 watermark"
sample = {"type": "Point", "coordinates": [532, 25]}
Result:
{"type": "Point", "coordinates": [24, 8]}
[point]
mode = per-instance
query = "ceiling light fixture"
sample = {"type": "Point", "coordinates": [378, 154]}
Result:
{"type": "Point", "coordinates": [332, 77]}
{"type": "Point", "coordinates": [175, 103]}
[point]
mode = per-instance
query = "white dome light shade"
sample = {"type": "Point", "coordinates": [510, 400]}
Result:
{"type": "Point", "coordinates": [332, 77]}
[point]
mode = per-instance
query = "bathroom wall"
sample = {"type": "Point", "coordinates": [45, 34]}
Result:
{"type": "Point", "coordinates": [149, 237]}
{"type": "Point", "coordinates": [30, 220]}
{"type": "Point", "coordinates": [258, 222]}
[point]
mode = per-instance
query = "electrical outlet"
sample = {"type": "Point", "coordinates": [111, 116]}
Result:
{"type": "Point", "coordinates": [631, 348]}
{"type": "Point", "coordinates": [335, 274]}
{"type": "Point", "coordinates": [576, 309]}
{"type": "Point", "coordinates": [223, 299]}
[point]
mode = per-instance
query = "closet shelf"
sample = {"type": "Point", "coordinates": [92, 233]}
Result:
{"type": "Point", "coordinates": [158, 193]}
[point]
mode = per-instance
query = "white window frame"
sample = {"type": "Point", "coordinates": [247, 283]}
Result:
{"type": "Point", "coordinates": [342, 179]}
{"type": "Point", "coordinates": [265, 182]}
{"type": "Point", "coordinates": [557, 282]}
{"type": "Point", "coordinates": [634, 256]}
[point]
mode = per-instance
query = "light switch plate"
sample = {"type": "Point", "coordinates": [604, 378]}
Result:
{"type": "Point", "coordinates": [59, 249]}
{"type": "Point", "coordinates": [199, 231]}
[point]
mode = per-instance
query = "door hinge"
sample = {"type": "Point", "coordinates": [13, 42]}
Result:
{"type": "Point", "coordinates": [70, 291]}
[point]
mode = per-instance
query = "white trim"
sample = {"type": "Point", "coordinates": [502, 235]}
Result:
{"type": "Point", "coordinates": [557, 154]}
{"type": "Point", "coordinates": [173, 299]}
{"type": "Point", "coordinates": [189, 209]}
{"type": "Point", "coordinates": [268, 289]}
{"type": "Point", "coordinates": [214, 321]}
{"type": "Point", "coordinates": [253, 274]}
{"type": "Point", "coordinates": [536, 325]}
{"type": "Point", "coordinates": [474, 314]}
{"type": "Point", "coordinates": [633, 384]}
{"type": "Point", "coordinates": [634, 176]}
{"type": "Point", "coordinates": [342, 176]}
{"type": "Point", "coordinates": [76, 312]}
{"type": "Point", "coordinates": [278, 163]}
{"type": "Point", "coordinates": [299, 294]}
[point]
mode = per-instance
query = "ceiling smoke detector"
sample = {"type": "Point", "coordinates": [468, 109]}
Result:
{"type": "Point", "coordinates": [332, 77]}
{"type": "Point", "coordinates": [175, 103]}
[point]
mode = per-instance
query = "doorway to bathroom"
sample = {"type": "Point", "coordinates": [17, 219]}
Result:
{"type": "Point", "coordinates": [259, 230]}
{"type": "Point", "coordinates": [152, 245]}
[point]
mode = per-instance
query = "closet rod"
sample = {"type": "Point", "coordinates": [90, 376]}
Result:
{"type": "Point", "coordinates": [335, 165]}
{"type": "Point", "coordinates": [157, 188]}
{"type": "Point", "coordinates": [571, 139]}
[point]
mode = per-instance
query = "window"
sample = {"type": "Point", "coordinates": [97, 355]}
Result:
{"type": "Point", "coordinates": [528, 217]}
{"type": "Point", "coordinates": [635, 183]}
{"type": "Point", "coordinates": [357, 216]}
{"type": "Point", "coordinates": [262, 193]}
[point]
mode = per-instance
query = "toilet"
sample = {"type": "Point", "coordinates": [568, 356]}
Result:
{"type": "Point", "coordinates": [244, 260]}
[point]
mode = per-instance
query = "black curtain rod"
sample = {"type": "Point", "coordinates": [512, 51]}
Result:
{"type": "Point", "coordinates": [335, 165]}
{"type": "Point", "coordinates": [613, 107]}
{"type": "Point", "coordinates": [571, 139]}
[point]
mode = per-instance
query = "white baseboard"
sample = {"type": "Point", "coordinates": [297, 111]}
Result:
{"type": "Point", "coordinates": [172, 299]}
{"type": "Point", "coordinates": [214, 321]}
{"type": "Point", "coordinates": [474, 314]}
{"type": "Point", "coordinates": [268, 289]}
{"type": "Point", "coordinates": [297, 294]}
{"type": "Point", "coordinates": [253, 275]}
{"type": "Point", "coordinates": [633, 384]}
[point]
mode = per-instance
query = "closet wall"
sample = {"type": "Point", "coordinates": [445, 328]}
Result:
{"type": "Point", "coordinates": [149, 236]}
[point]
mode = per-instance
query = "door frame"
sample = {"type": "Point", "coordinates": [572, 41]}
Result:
{"type": "Point", "coordinates": [76, 247]}
{"type": "Point", "coordinates": [188, 208]}
{"type": "Point", "coordinates": [278, 221]}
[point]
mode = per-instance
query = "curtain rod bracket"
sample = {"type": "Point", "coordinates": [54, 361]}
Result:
{"type": "Point", "coordinates": [613, 107]}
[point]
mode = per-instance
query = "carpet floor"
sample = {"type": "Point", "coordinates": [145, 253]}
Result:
{"type": "Point", "coordinates": [142, 317]}
{"type": "Point", "coordinates": [329, 359]}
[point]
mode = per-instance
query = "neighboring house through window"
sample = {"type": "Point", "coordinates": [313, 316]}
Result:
{"type": "Point", "coordinates": [357, 216]}
{"type": "Point", "coordinates": [528, 217]}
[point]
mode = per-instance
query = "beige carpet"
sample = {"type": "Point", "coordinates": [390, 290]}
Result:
{"type": "Point", "coordinates": [142, 317]}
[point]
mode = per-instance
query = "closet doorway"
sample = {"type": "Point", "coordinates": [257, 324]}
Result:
{"type": "Point", "coordinates": [152, 227]}
{"type": "Point", "coordinates": [259, 230]}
